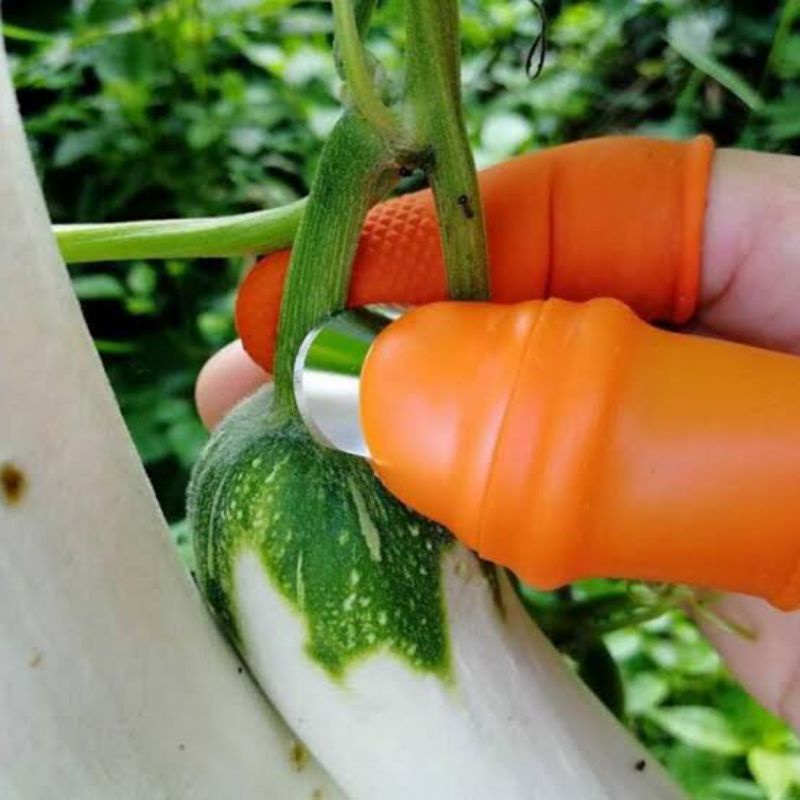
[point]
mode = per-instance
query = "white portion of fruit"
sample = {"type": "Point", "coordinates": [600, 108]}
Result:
{"type": "Point", "coordinates": [513, 723]}
{"type": "Point", "coordinates": [114, 683]}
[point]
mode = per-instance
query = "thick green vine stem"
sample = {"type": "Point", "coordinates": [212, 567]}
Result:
{"type": "Point", "coordinates": [434, 93]}
{"type": "Point", "coordinates": [209, 237]}
{"type": "Point", "coordinates": [355, 171]}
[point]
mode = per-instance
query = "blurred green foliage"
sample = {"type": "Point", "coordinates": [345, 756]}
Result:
{"type": "Point", "coordinates": [677, 696]}
{"type": "Point", "coordinates": [718, 742]}
{"type": "Point", "coordinates": [156, 108]}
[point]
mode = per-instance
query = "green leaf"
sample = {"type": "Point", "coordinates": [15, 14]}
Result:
{"type": "Point", "coordinates": [624, 645]}
{"type": "Point", "coordinates": [98, 287]}
{"type": "Point", "coordinates": [704, 775]}
{"type": "Point", "coordinates": [24, 34]}
{"type": "Point", "coordinates": [644, 692]}
{"type": "Point", "coordinates": [140, 306]}
{"type": "Point", "coordinates": [752, 721]}
{"type": "Point", "coordinates": [685, 657]}
{"type": "Point", "coordinates": [77, 145]}
{"type": "Point", "coordinates": [783, 118]}
{"type": "Point", "coordinates": [125, 58]}
{"type": "Point", "coordinates": [150, 441]}
{"type": "Point", "coordinates": [715, 69]}
{"type": "Point", "coordinates": [578, 23]}
{"type": "Point", "coordinates": [504, 133]}
{"type": "Point", "coordinates": [775, 773]}
{"type": "Point", "coordinates": [248, 139]}
{"type": "Point", "coordinates": [111, 348]}
{"type": "Point", "coordinates": [700, 727]}
{"type": "Point", "coordinates": [215, 327]}
{"type": "Point", "coordinates": [268, 56]}
{"type": "Point", "coordinates": [142, 279]}
{"type": "Point", "coordinates": [787, 60]}
{"type": "Point", "coordinates": [186, 439]}
{"type": "Point", "coordinates": [307, 64]}
{"type": "Point", "coordinates": [727, 788]}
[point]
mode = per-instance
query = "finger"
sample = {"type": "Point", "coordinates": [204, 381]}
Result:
{"type": "Point", "coordinates": [768, 664]}
{"type": "Point", "coordinates": [750, 291]}
{"type": "Point", "coordinates": [226, 379]}
{"type": "Point", "coordinates": [750, 287]}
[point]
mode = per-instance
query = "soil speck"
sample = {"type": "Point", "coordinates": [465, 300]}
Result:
{"type": "Point", "coordinates": [299, 756]}
{"type": "Point", "coordinates": [13, 483]}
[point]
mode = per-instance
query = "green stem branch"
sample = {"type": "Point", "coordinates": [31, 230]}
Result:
{"type": "Point", "coordinates": [242, 234]}
{"type": "Point", "coordinates": [353, 174]}
{"type": "Point", "coordinates": [434, 92]}
{"type": "Point", "coordinates": [357, 72]}
{"type": "Point", "coordinates": [363, 13]}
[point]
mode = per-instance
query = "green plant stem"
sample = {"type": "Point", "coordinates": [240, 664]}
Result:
{"type": "Point", "coordinates": [353, 174]}
{"type": "Point", "coordinates": [243, 234]}
{"type": "Point", "coordinates": [434, 92]}
{"type": "Point", "coordinates": [357, 72]}
{"type": "Point", "coordinates": [572, 625]}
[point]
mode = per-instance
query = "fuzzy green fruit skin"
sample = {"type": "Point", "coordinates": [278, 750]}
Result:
{"type": "Point", "coordinates": [363, 570]}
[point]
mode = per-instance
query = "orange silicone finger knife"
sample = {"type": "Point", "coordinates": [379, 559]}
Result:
{"type": "Point", "coordinates": [612, 217]}
{"type": "Point", "coordinates": [567, 440]}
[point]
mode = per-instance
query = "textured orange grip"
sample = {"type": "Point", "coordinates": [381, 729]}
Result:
{"type": "Point", "coordinates": [571, 440]}
{"type": "Point", "coordinates": [620, 217]}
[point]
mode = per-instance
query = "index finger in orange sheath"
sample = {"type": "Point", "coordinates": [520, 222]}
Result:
{"type": "Point", "coordinates": [619, 216]}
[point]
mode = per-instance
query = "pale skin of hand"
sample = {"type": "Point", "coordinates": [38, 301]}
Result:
{"type": "Point", "coordinates": [750, 292]}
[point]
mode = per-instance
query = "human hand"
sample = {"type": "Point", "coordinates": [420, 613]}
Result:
{"type": "Point", "coordinates": [750, 290]}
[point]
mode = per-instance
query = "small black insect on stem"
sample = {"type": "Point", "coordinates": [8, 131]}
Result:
{"type": "Point", "coordinates": [534, 61]}
{"type": "Point", "coordinates": [466, 206]}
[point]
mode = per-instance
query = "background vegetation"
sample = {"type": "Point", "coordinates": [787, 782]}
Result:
{"type": "Point", "coordinates": [138, 109]}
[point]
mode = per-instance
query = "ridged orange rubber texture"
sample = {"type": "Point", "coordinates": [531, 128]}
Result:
{"type": "Point", "coordinates": [566, 441]}
{"type": "Point", "coordinates": [619, 217]}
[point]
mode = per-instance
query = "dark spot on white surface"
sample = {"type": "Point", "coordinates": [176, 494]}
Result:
{"type": "Point", "coordinates": [13, 483]}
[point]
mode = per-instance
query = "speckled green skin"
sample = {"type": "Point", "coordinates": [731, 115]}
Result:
{"type": "Point", "coordinates": [363, 570]}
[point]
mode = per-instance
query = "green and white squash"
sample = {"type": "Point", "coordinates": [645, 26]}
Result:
{"type": "Point", "coordinates": [113, 681]}
{"type": "Point", "coordinates": [409, 668]}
